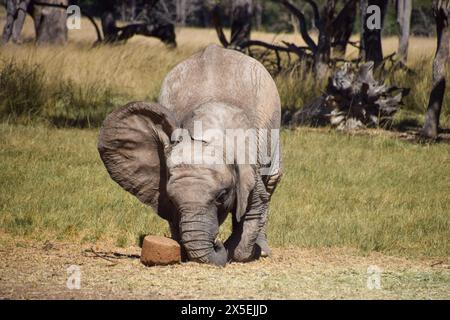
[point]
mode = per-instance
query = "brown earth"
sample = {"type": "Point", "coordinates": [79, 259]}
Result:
{"type": "Point", "coordinates": [38, 270]}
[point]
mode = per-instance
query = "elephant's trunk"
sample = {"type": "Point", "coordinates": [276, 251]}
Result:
{"type": "Point", "coordinates": [199, 229]}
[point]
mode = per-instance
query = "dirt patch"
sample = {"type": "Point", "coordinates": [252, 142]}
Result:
{"type": "Point", "coordinates": [31, 270]}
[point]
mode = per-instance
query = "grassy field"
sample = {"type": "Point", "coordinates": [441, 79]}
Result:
{"type": "Point", "coordinates": [346, 201]}
{"type": "Point", "coordinates": [368, 192]}
{"type": "Point", "coordinates": [374, 193]}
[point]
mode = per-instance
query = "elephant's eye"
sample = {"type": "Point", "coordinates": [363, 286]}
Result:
{"type": "Point", "coordinates": [221, 196]}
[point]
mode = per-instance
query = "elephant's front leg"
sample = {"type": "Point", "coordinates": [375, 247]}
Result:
{"type": "Point", "coordinates": [241, 245]}
{"type": "Point", "coordinates": [261, 241]}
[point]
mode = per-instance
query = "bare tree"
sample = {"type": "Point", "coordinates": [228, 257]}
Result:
{"type": "Point", "coordinates": [371, 48]}
{"type": "Point", "coordinates": [431, 126]}
{"type": "Point", "coordinates": [342, 28]}
{"type": "Point", "coordinates": [324, 23]}
{"type": "Point", "coordinates": [241, 22]}
{"type": "Point", "coordinates": [333, 31]}
{"type": "Point", "coordinates": [128, 10]}
{"type": "Point", "coordinates": [258, 9]}
{"type": "Point", "coordinates": [16, 12]}
{"type": "Point", "coordinates": [404, 9]}
{"type": "Point", "coordinates": [49, 20]}
{"type": "Point", "coordinates": [11, 13]}
{"type": "Point", "coordinates": [178, 12]}
{"type": "Point", "coordinates": [20, 20]}
{"type": "Point", "coordinates": [181, 7]}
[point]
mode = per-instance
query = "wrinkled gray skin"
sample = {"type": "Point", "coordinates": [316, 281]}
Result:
{"type": "Point", "coordinates": [141, 142]}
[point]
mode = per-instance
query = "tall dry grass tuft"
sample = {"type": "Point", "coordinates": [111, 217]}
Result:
{"type": "Point", "coordinates": [22, 91]}
{"type": "Point", "coordinates": [29, 94]}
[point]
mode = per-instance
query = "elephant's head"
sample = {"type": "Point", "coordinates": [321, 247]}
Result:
{"type": "Point", "coordinates": [140, 144]}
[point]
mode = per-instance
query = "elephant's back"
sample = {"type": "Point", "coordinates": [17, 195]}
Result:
{"type": "Point", "coordinates": [218, 74]}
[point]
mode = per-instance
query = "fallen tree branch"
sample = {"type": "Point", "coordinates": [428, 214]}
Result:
{"type": "Point", "coordinates": [91, 250]}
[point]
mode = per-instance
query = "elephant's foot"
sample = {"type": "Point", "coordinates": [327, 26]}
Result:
{"type": "Point", "coordinates": [263, 244]}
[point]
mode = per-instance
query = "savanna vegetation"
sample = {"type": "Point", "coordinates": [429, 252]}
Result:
{"type": "Point", "coordinates": [371, 191]}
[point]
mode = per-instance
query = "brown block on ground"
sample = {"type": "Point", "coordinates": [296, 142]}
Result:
{"type": "Point", "coordinates": [157, 250]}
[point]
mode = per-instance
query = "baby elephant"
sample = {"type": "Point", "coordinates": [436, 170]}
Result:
{"type": "Point", "coordinates": [210, 146]}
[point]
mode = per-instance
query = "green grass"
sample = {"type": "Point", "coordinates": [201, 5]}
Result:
{"type": "Point", "coordinates": [368, 192]}
{"type": "Point", "coordinates": [373, 193]}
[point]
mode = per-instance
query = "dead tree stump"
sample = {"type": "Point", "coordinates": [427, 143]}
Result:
{"type": "Point", "coordinates": [352, 100]}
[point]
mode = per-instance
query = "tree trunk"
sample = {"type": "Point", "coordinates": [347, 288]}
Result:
{"type": "Point", "coordinates": [109, 27]}
{"type": "Point", "coordinates": [50, 23]}
{"type": "Point", "coordinates": [16, 12]}
{"type": "Point", "coordinates": [362, 14]}
{"type": "Point", "coordinates": [181, 9]}
{"type": "Point", "coordinates": [258, 15]}
{"type": "Point", "coordinates": [132, 10]}
{"type": "Point", "coordinates": [20, 20]}
{"type": "Point", "coordinates": [404, 9]}
{"type": "Point", "coordinates": [241, 24]}
{"type": "Point", "coordinates": [123, 13]}
{"type": "Point", "coordinates": [207, 6]}
{"type": "Point", "coordinates": [11, 13]}
{"type": "Point", "coordinates": [342, 28]}
{"type": "Point", "coordinates": [440, 11]}
{"type": "Point", "coordinates": [372, 49]}
{"type": "Point", "coordinates": [294, 23]}
{"type": "Point", "coordinates": [323, 54]}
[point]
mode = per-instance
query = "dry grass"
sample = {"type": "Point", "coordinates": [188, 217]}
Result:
{"type": "Point", "coordinates": [420, 47]}
{"type": "Point", "coordinates": [80, 77]}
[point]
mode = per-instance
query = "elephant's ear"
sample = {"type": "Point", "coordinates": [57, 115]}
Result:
{"type": "Point", "coordinates": [244, 185]}
{"type": "Point", "coordinates": [132, 144]}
